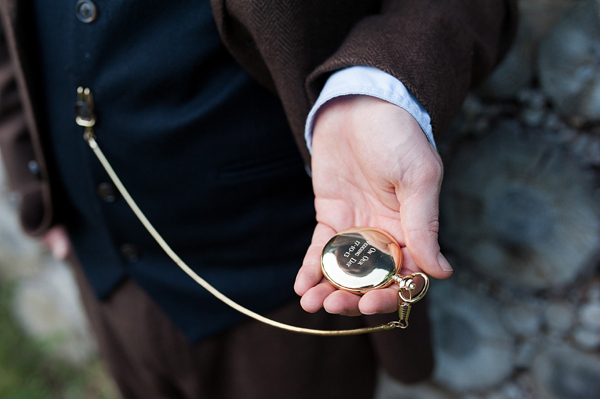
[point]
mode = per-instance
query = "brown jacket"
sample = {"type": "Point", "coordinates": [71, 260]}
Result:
{"type": "Point", "coordinates": [438, 49]}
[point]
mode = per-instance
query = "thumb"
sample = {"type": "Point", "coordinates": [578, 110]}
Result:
{"type": "Point", "coordinates": [419, 215]}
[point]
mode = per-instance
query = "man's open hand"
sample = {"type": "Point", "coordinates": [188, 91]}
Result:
{"type": "Point", "coordinates": [372, 166]}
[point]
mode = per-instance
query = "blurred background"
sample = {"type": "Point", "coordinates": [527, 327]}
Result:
{"type": "Point", "coordinates": [520, 217]}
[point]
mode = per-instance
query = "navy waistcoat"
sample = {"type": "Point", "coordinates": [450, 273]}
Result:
{"type": "Point", "coordinates": [204, 150]}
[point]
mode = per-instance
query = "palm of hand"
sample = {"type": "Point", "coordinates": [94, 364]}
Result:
{"type": "Point", "coordinates": [372, 166]}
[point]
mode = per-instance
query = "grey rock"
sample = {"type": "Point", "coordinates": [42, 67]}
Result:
{"type": "Point", "coordinates": [516, 70]}
{"type": "Point", "coordinates": [562, 372]}
{"type": "Point", "coordinates": [47, 306]}
{"type": "Point", "coordinates": [541, 15]}
{"type": "Point", "coordinates": [594, 290]}
{"type": "Point", "coordinates": [495, 395]}
{"type": "Point", "coordinates": [508, 391]}
{"type": "Point", "coordinates": [19, 254]}
{"type": "Point", "coordinates": [533, 117]}
{"type": "Point", "coordinates": [512, 391]}
{"type": "Point", "coordinates": [520, 209]}
{"type": "Point", "coordinates": [559, 317]}
{"type": "Point", "coordinates": [566, 134]}
{"type": "Point", "coordinates": [473, 350]}
{"type": "Point", "coordinates": [552, 122]}
{"type": "Point", "coordinates": [587, 147]}
{"type": "Point", "coordinates": [526, 351]}
{"type": "Point", "coordinates": [532, 99]}
{"type": "Point", "coordinates": [589, 316]}
{"type": "Point", "coordinates": [388, 388]}
{"type": "Point", "coordinates": [569, 63]}
{"type": "Point", "coordinates": [587, 340]}
{"type": "Point", "coordinates": [522, 319]}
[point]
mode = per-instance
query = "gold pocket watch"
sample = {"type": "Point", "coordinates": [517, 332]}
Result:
{"type": "Point", "coordinates": [362, 259]}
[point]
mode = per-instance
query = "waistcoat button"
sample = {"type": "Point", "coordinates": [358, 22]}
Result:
{"type": "Point", "coordinates": [86, 11]}
{"type": "Point", "coordinates": [107, 192]}
{"type": "Point", "coordinates": [130, 252]}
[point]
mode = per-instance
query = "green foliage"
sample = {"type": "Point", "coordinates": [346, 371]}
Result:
{"type": "Point", "coordinates": [27, 371]}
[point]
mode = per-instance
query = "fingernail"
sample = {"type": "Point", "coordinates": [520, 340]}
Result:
{"type": "Point", "coordinates": [444, 263]}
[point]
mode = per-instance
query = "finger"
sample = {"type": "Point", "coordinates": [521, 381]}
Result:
{"type": "Point", "coordinates": [379, 301]}
{"type": "Point", "coordinates": [313, 299]}
{"type": "Point", "coordinates": [408, 264]}
{"type": "Point", "coordinates": [343, 303]}
{"type": "Point", "coordinates": [419, 213]}
{"type": "Point", "coordinates": [310, 273]}
{"type": "Point", "coordinates": [57, 240]}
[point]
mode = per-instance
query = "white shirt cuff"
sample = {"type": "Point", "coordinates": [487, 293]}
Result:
{"type": "Point", "coordinates": [372, 82]}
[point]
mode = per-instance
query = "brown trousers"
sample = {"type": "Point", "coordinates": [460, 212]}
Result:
{"type": "Point", "coordinates": [150, 358]}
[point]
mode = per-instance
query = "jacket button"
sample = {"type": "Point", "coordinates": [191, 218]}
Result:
{"type": "Point", "coordinates": [86, 11]}
{"type": "Point", "coordinates": [34, 168]}
{"type": "Point", "coordinates": [130, 252]}
{"type": "Point", "coordinates": [107, 192]}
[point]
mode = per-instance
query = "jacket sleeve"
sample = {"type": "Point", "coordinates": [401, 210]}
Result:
{"type": "Point", "coordinates": [25, 168]}
{"type": "Point", "coordinates": [437, 49]}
